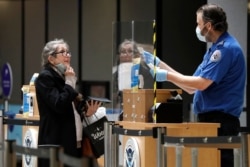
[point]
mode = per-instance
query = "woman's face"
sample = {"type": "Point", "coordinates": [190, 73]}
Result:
{"type": "Point", "coordinates": [127, 53]}
{"type": "Point", "coordinates": [62, 55]}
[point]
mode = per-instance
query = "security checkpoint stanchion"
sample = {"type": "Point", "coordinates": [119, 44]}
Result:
{"type": "Point", "coordinates": [53, 152]}
{"type": "Point", "coordinates": [178, 154]}
{"type": "Point", "coordinates": [115, 147]}
{"type": "Point", "coordinates": [67, 160]}
{"type": "Point", "coordinates": [161, 131]}
{"type": "Point", "coordinates": [236, 152]}
{"type": "Point", "coordinates": [1, 154]}
{"type": "Point", "coordinates": [111, 146]}
{"type": "Point", "coordinates": [108, 145]}
{"type": "Point", "coordinates": [9, 154]}
{"type": "Point", "coordinates": [244, 149]}
{"type": "Point", "coordinates": [194, 152]}
{"type": "Point", "coordinates": [1, 138]}
{"type": "Point", "coordinates": [237, 143]}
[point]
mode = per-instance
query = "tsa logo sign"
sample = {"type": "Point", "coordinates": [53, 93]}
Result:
{"type": "Point", "coordinates": [30, 142]}
{"type": "Point", "coordinates": [131, 153]}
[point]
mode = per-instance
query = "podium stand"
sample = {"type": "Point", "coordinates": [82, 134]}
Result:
{"type": "Point", "coordinates": [136, 106]}
{"type": "Point", "coordinates": [207, 157]}
{"type": "Point", "coordinates": [29, 133]}
{"type": "Point", "coordinates": [29, 139]}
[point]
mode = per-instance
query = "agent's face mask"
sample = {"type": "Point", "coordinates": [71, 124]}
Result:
{"type": "Point", "coordinates": [199, 35]}
{"type": "Point", "coordinates": [61, 68]}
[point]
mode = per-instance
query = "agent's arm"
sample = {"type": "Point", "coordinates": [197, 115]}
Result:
{"type": "Point", "coordinates": [185, 82]}
{"type": "Point", "coordinates": [189, 83]}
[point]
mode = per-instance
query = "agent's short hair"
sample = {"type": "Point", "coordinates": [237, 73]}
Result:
{"type": "Point", "coordinates": [214, 14]}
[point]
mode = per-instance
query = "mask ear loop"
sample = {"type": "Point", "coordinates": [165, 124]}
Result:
{"type": "Point", "coordinates": [210, 25]}
{"type": "Point", "coordinates": [207, 29]}
{"type": "Point", "coordinates": [203, 27]}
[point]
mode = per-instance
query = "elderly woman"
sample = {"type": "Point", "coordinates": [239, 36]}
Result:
{"type": "Point", "coordinates": [60, 122]}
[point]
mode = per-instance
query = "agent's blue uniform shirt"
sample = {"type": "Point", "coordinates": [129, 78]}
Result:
{"type": "Point", "coordinates": [224, 64]}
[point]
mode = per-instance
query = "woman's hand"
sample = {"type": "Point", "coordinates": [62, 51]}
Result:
{"type": "Point", "coordinates": [92, 107]}
{"type": "Point", "coordinates": [69, 71]}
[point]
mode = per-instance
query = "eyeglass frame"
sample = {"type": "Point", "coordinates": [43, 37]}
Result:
{"type": "Point", "coordinates": [129, 52]}
{"type": "Point", "coordinates": [64, 53]}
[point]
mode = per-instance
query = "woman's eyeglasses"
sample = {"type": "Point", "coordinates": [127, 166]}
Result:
{"type": "Point", "coordinates": [130, 52]}
{"type": "Point", "coordinates": [64, 53]}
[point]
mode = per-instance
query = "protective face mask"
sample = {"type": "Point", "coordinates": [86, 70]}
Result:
{"type": "Point", "coordinates": [61, 68]}
{"type": "Point", "coordinates": [199, 36]}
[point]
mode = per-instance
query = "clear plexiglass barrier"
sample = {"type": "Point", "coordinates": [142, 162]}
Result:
{"type": "Point", "coordinates": [134, 63]}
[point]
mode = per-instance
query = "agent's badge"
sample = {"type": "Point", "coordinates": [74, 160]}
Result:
{"type": "Point", "coordinates": [216, 56]}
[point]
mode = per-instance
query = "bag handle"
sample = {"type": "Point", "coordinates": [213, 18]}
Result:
{"type": "Point", "coordinates": [86, 118]}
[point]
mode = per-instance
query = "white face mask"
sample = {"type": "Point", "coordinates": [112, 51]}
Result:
{"type": "Point", "coordinates": [199, 36]}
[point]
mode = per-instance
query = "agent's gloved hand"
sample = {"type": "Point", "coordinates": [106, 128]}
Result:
{"type": "Point", "coordinates": [150, 58]}
{"type": "Point", "coordinates": [161, 75]}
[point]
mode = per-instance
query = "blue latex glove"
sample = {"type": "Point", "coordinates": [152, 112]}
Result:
{"type": "Point", "coordinates": [161, 75]}
{"type": "Point", "coordinates": [149, 58]}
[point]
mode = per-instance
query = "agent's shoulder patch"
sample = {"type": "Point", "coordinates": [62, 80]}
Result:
{"type": "Point", "coordinates": [216, 56]}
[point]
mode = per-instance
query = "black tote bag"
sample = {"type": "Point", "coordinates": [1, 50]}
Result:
{"type": "Point", "coordinates": [95, 133]}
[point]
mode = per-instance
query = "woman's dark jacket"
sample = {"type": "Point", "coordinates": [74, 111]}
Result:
{"type": "Point", "coordinates": [57, 123]}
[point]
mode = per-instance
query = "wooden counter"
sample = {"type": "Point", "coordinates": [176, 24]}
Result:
{"type": "Point", "coordinates": [207, 157]}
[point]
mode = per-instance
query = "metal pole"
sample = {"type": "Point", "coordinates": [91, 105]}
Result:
{"type": "Point", "coordinates": [164, 154]}
{"type": "Point", "coordinates": [194, 157]}
{"type": "Point", "coordinates": [244, 148]}
{"type": "Point", "coordinates": [160, 148]}
{"type": "Point", "coordinates": [178, 150]}
{"type": "Point", "coordinates": [115, 149]}
{"type": "Point", "coordinates": [236, 157]}
{"type": "Point", "coordinates": [6, 105]}
{"type": "Point", "coordinates": [54, 156]}
{"type": "Point", "coordinates": [165, 150]}
{"type": "Point", "coordinates": [10, 155]}
{"type": "Point", "coordinates": [1, 138]}
{"type": "Point", "coordinates": [107, 145]}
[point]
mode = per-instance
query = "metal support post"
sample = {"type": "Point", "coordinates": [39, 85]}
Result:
{"type": "Point", "coordinates": [9, 154]}
{"type": "Point", "coordinates": [115, 149]}
{"type": "Point", "coordinates": [54, 152]}
{"type": "Point", "coordinates": [1, 138]}
{"type": "Point", "coordinates": [6, 105]}
{"type": "Point", "coordinates": [178, 150]}
{"type": "Point", "coordinates": [164, 155]}
{"type": "Point", "coordinates": [160, 147]}
{"type": "Point", "coordinates": [236, 157]}
{"type": "Point", "coordinates": [194, 157]}
{"type": "Point", "coordinates": [108, 145]}
{"type": "Point", "coordinates": [244, 148]}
